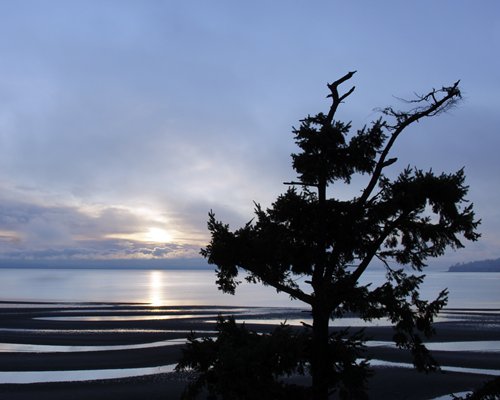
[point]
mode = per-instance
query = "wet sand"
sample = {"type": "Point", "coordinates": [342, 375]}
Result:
{"type": "Point", "coordinates": [26, 324]}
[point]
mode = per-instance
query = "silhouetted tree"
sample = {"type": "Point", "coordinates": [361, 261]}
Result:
{"type": "Point", "coordinates": [241, 364]}
{"type": "Point", "coordinates": [311, 233]}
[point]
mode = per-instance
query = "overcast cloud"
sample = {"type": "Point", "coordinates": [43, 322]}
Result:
{"type": "Point", "coordinates": [119, 118]}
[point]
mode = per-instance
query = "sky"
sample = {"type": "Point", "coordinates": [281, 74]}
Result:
{"type": "Point", "coordinates": [122, 123]}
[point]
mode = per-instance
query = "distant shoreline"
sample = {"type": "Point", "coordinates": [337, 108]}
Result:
{"type": "Point", "coordinates": [469, 268]}
{"type": "Point", "coordinates": [477, 266]}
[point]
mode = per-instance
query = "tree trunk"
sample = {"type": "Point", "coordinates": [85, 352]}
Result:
{"type": "Point", "coordinates": [319, 359]}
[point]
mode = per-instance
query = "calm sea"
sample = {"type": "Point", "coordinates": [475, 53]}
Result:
{"type": "Point", "coordinates": [197, 287]}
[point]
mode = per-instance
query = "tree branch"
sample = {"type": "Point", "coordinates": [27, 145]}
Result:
{"type": "Point", "coordinates": [347, 94]}
{"type": "Point", "coordinates": [375, 247]}
{"type": "Point", "coordinates": [405, 119]}
{"type": "Point", "coordinates": [296, 293]}
{"type": "Point", "coordinates": [336, 99]}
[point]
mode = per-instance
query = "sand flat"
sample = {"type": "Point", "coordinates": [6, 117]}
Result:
{"type": "Point", "coordinates": [26, 324]}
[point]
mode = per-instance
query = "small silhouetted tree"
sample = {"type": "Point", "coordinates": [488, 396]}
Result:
{"type": "Point", "coordinates": [310, 233]}
{"type": "Point", "coordinates": [242, 364]}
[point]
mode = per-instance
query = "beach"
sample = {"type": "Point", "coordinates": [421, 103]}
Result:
{"type": "Point", "coordinates": [128, 351]}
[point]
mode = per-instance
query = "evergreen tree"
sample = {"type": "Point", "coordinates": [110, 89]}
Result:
{"type": "Point", "coordinates": [309, 233]}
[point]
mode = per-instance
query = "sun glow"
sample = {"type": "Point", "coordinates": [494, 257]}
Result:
{"type": "Point", "coordinates": [157, 235]}
{"type": "Point", "coordinates": [156, 228]}
{"type": "Point", "coordinates": [152, 235]}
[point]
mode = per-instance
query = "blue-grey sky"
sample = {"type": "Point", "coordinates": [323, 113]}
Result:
{"type": "Point", "coordinates": [122, 123]}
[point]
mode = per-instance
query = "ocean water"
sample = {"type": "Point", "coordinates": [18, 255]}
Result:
{"type": "Point", "coordinates": [177, 288]}
{"type": "Point", "coordinates": [197, 287]}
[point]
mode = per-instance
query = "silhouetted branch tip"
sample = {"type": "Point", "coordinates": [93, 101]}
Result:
{"type": "Point", "coordinates": [348, 93]}
{"type": "Point", "coordinates": [389, 162]}
{"type": "Point", "coordinates": [334, 95]}
{"type": "Point", "coordinates": [346, 77]}
{"type": "Point", "coordinates": [431, 104]}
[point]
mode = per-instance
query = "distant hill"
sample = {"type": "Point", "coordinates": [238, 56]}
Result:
{"type": "Point", "coordinates": [477, 266]}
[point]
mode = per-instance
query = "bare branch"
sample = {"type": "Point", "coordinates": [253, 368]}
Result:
{"type": "Point", "coordinates": [406, 118]}
{"type": "Point", "coordinates": [295, 293]}
{"type": "Point", "coordinates": [383, 261]}
{"type": "Point", "coordinates": [346, 77]}
{"type": "Point", "coordinates": [336, 99]}
{"type": "Point", "coordinates": [425, 102]}
{"type": "Point", "coordinates": [347, 94]}
{"type": "Point", "coordinates": [390, 161]}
